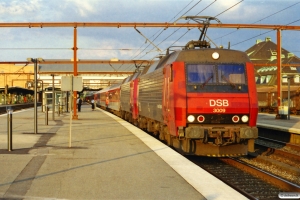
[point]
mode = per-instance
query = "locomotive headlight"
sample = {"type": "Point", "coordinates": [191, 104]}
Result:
{"type": "Point", "coordinates": [215, 55]}
{"type": "Point", "coordinates": [245, 118]}
{"type": "Point", "coordinates": [191, 118]}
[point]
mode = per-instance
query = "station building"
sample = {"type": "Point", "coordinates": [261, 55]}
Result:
{"type": "Point", "coordinates": [264, 52]}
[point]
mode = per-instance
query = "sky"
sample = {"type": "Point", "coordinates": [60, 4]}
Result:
{"type": "Point", "coordinates": [18, 44]}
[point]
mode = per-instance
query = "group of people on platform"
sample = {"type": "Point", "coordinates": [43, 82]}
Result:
{"type": "Point", "coordinates": [79, 103]}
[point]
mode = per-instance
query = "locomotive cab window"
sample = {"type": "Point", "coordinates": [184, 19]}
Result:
{"type": "Point", "coordinates": [201, 74]}
{"type": "Point", "coordinates": [217, 78]}
{"type": "Point", "coordinates": [234, 74]}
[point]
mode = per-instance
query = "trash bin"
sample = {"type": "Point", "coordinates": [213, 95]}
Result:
{"type": "Point", "coordinates": [283, 111]}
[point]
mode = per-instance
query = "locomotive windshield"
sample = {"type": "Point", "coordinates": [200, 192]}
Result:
{"type": "Point", "coordinates": [217, 78]}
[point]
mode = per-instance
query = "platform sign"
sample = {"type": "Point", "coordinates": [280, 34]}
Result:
{"type": "Point", "coordinates": [30, 84]}
{"type": "Point", "coordinates": [71, 83]}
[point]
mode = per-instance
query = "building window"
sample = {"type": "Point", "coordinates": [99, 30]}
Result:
{"type": "Point", "coordinates": [268, 78]}
{"type": "Point", "coordinates": [284, 80]}
{"type": "Point", "coordinates": [296, 79]}
{"type": "Point", "coordinates": [262, 79]}
{"type": "Point", "coordinates": [257, 80]}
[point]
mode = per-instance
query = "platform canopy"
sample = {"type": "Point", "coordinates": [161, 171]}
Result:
{"type": "Point", "coordinates": [113, 66]}
{"type": "Point", "coordinates": [95, 73]}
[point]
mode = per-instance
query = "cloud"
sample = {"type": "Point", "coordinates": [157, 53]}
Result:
{"type": "Point", "coordinates": [83, 8]}
{"type": "Point", "coordinates": [228, 3]}
{"type": "Point", "coordinates": [19, 8]}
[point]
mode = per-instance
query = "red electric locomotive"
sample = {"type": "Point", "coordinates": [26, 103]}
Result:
{"type": "Point", "coordinates": [202, 101]}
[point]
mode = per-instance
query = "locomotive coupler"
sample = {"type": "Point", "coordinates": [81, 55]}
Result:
{"type": "Point", "coordinates": [218, 139]}
{"type": "Point", "coordinates": [180, 132]}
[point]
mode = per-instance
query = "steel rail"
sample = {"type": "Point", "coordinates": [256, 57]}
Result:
{"type": "Point", "coordinates": [293, 146]}
{"type": "Point", "coordinates": [279, 182]}
{"type": "Point", "coordinates": [282, 153]}
{"type": "Point", "coordinates": [141, 24]}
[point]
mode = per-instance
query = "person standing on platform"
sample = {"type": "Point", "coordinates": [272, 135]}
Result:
{"type": "Point", "coordinates": [93, 104]}
{"type": "Point", "coordinates": [106, 102]}
{"type": "Point", "coordinates": [79, 102]}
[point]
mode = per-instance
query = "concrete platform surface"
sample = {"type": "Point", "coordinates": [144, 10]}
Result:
{"type": "Point", "coordinates": [107, 158]}
{"type": "Point", "coordinates": [291, 125]}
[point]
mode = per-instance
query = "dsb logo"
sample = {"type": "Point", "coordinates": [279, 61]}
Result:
{"type": "Point", "coordinates": [218, 102]}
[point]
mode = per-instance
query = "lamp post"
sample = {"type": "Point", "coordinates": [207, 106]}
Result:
{"type": "Point", "coordinates": [35, 60]}
{"type": "Point", "coordinates": [289, 96]}
{"type": "Point", "coordinates": [53, 98]}
{"type": "Point", "coordinates": [289, 103]}
{"type": "Point", "coordinates": [41, 85]}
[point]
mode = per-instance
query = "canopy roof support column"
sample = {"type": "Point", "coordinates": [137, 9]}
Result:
{"type": "Point", "coordinates": [279, 81]}
{"type": "Point", "coordinates": [75, 116]}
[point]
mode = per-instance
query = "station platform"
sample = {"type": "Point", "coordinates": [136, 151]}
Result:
{"type": "Point", "coordinates": [287, 130]}
{"type": "Point", "coordinates": [291, 125]}
{"type": "Point", "coordinates": [108, 158]}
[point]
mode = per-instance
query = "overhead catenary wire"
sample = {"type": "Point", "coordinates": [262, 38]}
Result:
{"type": "Point", "coordinates": [276, 12]}
{"type": "Point", "coordinates": [262, 34]}
{"type": "Point", "coordinates": [187, 22]}
{"type": "Point", "coordinates": [180, 28]}
{"type": "Point", "coordinates": [260, 21]}
{"type": "Point", "coordinates": [161, 31]}
{"type": "Point", "coordinates": [177, 15]}
{"type": "Point", "coordinates": [101, 49]}
{"type": "Point", "coordinates": [229, 8]}
{"type": "Point", "coordinates": [198, 14]}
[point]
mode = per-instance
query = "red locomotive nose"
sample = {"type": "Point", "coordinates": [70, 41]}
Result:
{"type": "Point", "coordinates": [235, 118]}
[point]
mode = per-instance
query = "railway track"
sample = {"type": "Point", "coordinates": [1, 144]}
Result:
{"type": "Point", "coordinates": [14, 107]}
{"type": "Point", "coordinates": [251, 181]}
{"type": "Point", "coordinates": [275, 144]}
{"type": "Point", "coordinates": [279, 158]}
